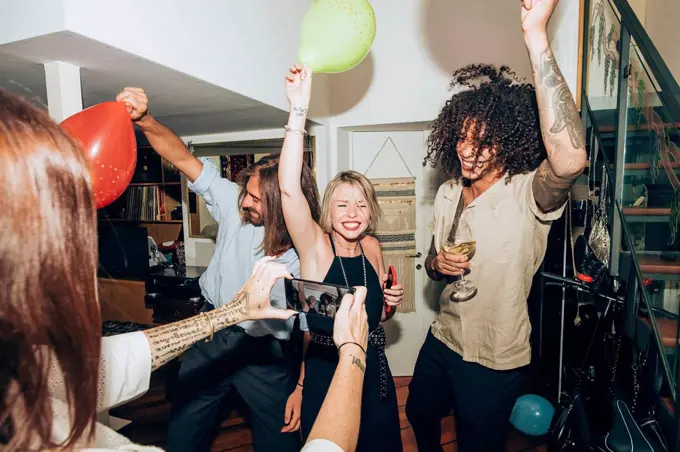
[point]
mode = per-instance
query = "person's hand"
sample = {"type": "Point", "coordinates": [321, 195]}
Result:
{"type": "Point", "coordinates": [293, 410]}
{"type": "Point", "coordinates": [535, 16]}
{"type": "Point", "coordinates": [394, 295]}
{"type": "Point", "coordinates": [450, 264]}
{"type": "Point", "coordinates": [136, 102]}
{"type": "Point", "coordinates": [258, 287]}
{"type": "Point", "coordinates": [299, 86]}
{"type": "Point", "coordinates": [351, 320]}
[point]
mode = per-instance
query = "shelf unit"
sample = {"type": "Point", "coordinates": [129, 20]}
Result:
{"type": "Point", "coordinates": [153, 198]}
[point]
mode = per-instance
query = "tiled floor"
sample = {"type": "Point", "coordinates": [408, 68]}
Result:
{"type": "Point", "coordinates": [150, 414]}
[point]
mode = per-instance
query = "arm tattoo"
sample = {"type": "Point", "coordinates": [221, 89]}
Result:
{"type": "Point", "coordinates": [357, 362]}
{"type": "Point", "coordinates": [433, 274]}
{"type": "Point", "coordinates": [563, 106]}
{"type": "Point", "coordinates": [566, 151]}
{"type": "Point", "coordinates": [550, 190]}
{"type": "Point", "coordinates": [169, 341]}
{"type": "Point", "coordinates": [300, 111]}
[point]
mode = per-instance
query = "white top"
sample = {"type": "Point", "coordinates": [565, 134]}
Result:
{"type": "Point", "coordinates": [321, 445]}
{"type": "Point", "coordinates": [124, 374]}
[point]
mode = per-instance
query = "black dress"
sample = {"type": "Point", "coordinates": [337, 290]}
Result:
{"type": "Point", "coordinates": [380, 429]}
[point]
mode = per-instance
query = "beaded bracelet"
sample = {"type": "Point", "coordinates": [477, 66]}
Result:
{"type": "Point", "coordinates": [299, 132]}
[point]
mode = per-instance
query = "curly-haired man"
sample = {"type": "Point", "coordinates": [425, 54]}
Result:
{"type": "Point", "coordinates": [513, 152]}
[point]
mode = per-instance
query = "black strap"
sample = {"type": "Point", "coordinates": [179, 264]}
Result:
{"type": "Point", "coordinates": [456, 217]}
{"type": "Point", "coordinates": [330, 236]}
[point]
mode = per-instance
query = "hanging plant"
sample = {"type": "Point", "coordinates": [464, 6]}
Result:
{"type": "Point", "coordinates": [612, 74]}
{"type": "Point", "coordinates": [674, 217]}
{"type": "Point", "coordinates": [640, 92]}
{"type": "Point", "coordinates": [612, 79]}
{"type": "Point", "coordinates": [604, 46]}
{"type": "Point", "coordinates": [601, 25]}
{"type": "Point", "coordinates": [654, 157]}
{"type": "Point", "coordinates": [597, 10]}
{"type": "Point", "coordinates": [607, 64]}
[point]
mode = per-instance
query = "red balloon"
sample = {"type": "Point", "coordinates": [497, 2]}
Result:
{"type": "Point", "coordinates": [108, 138]}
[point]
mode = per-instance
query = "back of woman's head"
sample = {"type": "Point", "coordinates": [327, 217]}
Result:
{"type": "Point", "coordinates": [48, 259]}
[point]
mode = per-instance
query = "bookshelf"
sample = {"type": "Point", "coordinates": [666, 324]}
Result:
{"type": "Point", "coordinates": [153, 198]}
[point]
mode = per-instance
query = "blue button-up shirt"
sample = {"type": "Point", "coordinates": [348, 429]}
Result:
{"type": "Point", "coordinates": [238, 248]}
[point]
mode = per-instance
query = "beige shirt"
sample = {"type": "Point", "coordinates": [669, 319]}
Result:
{"type": "Point", "coordinates": [511, 232]}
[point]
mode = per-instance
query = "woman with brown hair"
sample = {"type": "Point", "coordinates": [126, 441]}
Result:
{"type": "Point", "coordinates": [56, 371]}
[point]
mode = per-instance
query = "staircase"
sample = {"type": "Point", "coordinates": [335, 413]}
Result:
{"type": "Point", "coordinates": [631, 111]}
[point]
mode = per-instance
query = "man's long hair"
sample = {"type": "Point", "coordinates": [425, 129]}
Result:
{"type": "Point", "coordinates": [276, 237]}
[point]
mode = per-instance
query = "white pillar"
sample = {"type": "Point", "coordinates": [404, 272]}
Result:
{"type": "Point", "coordinates": [64, 96]}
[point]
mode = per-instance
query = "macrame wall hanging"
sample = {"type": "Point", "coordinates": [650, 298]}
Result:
{"type": "Point", "coordinates": [397, 230]}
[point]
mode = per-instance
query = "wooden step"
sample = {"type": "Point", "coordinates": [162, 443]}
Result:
{"type": "Point", "coordinates": [646, 211]}
{"type": "Point", "coordinates": [641, 166]}
{"type": "Point", "coordinates": [654, 264]}
{"type": "Point", "coordinates": [667, 330]}
{"type": "Point", "coordinates": [636, 128]}
{"type": "Point", "coordinates": [647, 165]}
{"type": "Point", "coordinates": [668, 402]}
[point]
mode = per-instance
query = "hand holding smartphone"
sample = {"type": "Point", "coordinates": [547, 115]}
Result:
{"type": "Point", "coordinates": [391, 280]}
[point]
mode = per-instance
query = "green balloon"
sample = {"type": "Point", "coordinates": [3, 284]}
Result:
{"type": "Point", "coordinates": [336, 35]}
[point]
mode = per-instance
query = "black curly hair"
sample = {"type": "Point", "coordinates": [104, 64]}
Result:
{"type": "Point", "coordinates": [504, 106]}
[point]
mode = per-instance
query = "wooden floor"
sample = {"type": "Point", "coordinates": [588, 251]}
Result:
{"type": "Point", "coordinates": [150, 413]}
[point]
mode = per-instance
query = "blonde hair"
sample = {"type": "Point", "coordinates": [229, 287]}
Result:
{"type": "Point", "coordinates": [356, 180]}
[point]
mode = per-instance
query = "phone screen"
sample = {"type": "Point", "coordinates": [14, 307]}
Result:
{"type": "Point", "coordinates": [315, 298]}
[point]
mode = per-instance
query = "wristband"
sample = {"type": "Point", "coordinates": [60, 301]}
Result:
{"type": "Point", "coordinates": [358, 345]}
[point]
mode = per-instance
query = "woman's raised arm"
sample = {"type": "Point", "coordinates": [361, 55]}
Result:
{"type": "Point", "coordinates": [303, 230]}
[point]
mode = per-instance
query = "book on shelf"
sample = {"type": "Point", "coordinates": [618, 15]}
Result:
{"type": "Point", "coordinates": [144, 203]}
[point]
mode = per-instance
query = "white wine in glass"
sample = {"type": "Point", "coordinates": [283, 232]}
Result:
{"type": "Point", "coordinates": [463, 245]}
{"type": "Point", "coordinates": [466, 249]}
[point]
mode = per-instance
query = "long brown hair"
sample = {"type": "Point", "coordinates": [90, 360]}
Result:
{"type": "Point", "coordinates": [48, 260]}
{"type": "Point", "coordinates": [276, 237]}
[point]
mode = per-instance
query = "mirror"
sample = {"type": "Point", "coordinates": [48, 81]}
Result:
{"type": "Point", "coordinates": [232, 157]}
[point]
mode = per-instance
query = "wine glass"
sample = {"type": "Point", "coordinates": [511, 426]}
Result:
{"type": "Point", "coordinates": [463, 244]}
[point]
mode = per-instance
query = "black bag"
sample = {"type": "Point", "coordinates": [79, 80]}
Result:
{"type": "Point", "coordinates": [626, 435]}
{"type": "Point", "coordinates": [634, 429]}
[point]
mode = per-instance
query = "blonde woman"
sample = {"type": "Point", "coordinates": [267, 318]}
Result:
{"type": "Point", "coordinates": [338, 250]}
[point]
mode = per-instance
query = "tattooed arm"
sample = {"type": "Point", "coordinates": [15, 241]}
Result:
{"type": "Point", "coordinates": [340, 415]}
{"type": "Point", "coordinates": [169, 341]}
{"type": "Point", "coordinates": [251, 303]}
{"type": "Point", "coordinates": [561, 126]}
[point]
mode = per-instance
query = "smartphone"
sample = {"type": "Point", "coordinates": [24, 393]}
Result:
{"type": "Point", "coordinates": [391, 280]}
{"type": "Point", "coordinates": [315, 298]}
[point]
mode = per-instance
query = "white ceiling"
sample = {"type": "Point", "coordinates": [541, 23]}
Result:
{"type": "Point", "coordinates": [185, 104]}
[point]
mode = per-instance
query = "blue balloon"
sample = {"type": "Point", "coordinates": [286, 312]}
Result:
{"type": "Point", "coordinates": [532, 415]}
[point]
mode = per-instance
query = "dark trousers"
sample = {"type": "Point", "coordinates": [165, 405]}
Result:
{"type": "Point", "coordinates": [256, 368]}
{"type": "Point", "coordinates": [482, 399]}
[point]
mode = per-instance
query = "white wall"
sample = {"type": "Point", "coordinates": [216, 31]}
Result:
{"type": "Point", "coordinates": [661, 23]}
{"type": "Point", "coordinates": [244, 46]}
{"type": "Point", "coordinates": [405, 79]}
{"type": "Point", "coordinates": [419, 43]}
{"type": "Point", "coordinates": [23, 19]}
